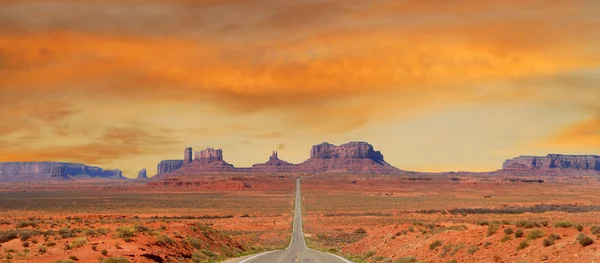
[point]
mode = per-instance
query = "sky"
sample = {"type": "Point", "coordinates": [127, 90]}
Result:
{"type": "Point", "coordinates": [434, 85]}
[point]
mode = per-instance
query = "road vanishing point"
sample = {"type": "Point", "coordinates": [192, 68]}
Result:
{"type": "Point", "coordinates": [297, 250]}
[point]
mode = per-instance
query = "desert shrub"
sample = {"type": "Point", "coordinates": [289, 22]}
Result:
{"type": "Point", "coordinates": [472, 249]}
{"type": "Point", "coordinates": [508, 231]}
{"type": "Point", "coordinates": [596, 230]}
{"type": "Point", "coordinates": [545, 223]}
{"type": "Point", "coordinates": [66, 233]}
{"type": "Point", "coordinates": [550, 240]}
{"type": "Point", "coordinates": [563, 224]}
{"type": "Point", "coordinates": [487, 244]}
{"type": "Point", "coordinates": [104, 252]}
{"type": "Point", "coordinates": [411, 229]}
{"type": "Point", "coordinates": [492, 229]}
{"type": "Point", "coordinates": [198, 257]}
{"type": "Point", "coordinates": [163, 240]}
{"type": "Point", "coordinates": [163, 227]}
{"type": "Point", "coordinates": [379, 258]}
{"type": "Point", "coordinates": [527, 224]}
{"type": "Point", "coordinates": [48, 233]}
{"type": "Point", "coordinates": [114, 260]}
{"type": "Point", "coordinates": [435, 244]}
{"type": "Point", "coordinates": [360, 230]}
{"type": "Point", "coordinates": [505, 238]}
{"type": "Point", "coordinates": [7, 236]}
{"type": "Point", "coordinates": [102, 231]}
{"type": "Point", "coordinates": [445, 250]}
{"type": "Point", "coordinates": [409, 259]}
{"type": "Point", "coordinates": [4, 222]}
{"type": "Point", "coordinates": [30, 223]}
{"type": "Point", "coordinates": [522, 245]}
{"type": "Point", "coordinates": [519, 233]}
{"type": "Point", "coordinates": [78, 242]}
{"type": "Point", "coordinates": [482, 223]}
{"type": "Point", "coordinates": [141, 228]}
{"type": "Point", "coordinates": [584, 240]}
{"type": "Point", "coordinates": [578, 227]}
{"type": "Point", "coordinates": [25, 244]}
{"type": "Point", "coordinates": [63, 261]}
{"type": "Point", "coordinates": [42, 249]}
{"type": "Point", "coordinates": [535, 234]}
{"type": "Point", "coordinates": [25, 235]}
{"type": "Point", "coordinates": [74, 258]}
{"type": "Point", "coordinates": [210, 254]}
{"type": "Point", "coordinates": [90, 233]}
{"type": "Point", "coordinates": [369, 254]}
{"type": "Point", "coordinates": [125, 232]}
{"type": "Point", "coordinates": [50, 243]}
{"type": "Point", "coordinates": [194, 242]}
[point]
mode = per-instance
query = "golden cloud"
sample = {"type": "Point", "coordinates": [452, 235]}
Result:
{"type": "Point", "coordinates": [114, 144]}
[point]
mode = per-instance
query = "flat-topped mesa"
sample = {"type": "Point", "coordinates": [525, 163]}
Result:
{"type": "Point", "coordinates": [353, 157]}
{"type": "Point", "coordinates": [352, 150]}
{"type": "Point", "coordinates": [551, 161]}
{"type": "Point", "coordinates": [48, 171]}
{"type": "Point", "coordinates": [167, 166]}
{"type": "Point", "coordinates": [208, 155]}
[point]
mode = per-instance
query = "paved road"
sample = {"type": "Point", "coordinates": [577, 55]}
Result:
{"type": "Point", "coordinates": [297, 251]}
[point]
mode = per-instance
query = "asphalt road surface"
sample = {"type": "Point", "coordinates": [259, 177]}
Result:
{"type": "Point", "coordinates": [297, 251]}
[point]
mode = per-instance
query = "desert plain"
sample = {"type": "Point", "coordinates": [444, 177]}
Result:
{"type": "Point", "coordinates": [362, 217]}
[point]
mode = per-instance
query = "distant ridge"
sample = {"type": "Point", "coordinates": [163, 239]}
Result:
{"type": "Point", "coordinates": [53, 171]}
{"type": "Point", "coordinates": [553, 161]}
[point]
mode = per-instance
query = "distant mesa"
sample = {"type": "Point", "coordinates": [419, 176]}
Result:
{"type": "Point", "coordinates": [553, 161]}
{"type": "Point", "coordinates": [53, 171]}
{"type": "Point", "coordinates": [354, 157]}
{"type": "Point", "coordinates": [167, 166]}
{"type": "Point", "coordinates": [142, 174]}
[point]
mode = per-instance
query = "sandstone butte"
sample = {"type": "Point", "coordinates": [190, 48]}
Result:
{"type": "Point", "coordinates": [142, 174]}
{"type": "Point", "coordinates": [353, 158]}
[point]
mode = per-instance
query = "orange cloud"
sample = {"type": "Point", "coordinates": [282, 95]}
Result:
{"type": "Point", "coordinates": [585, 134]}
{"type": "Point", "coordinates": [116, 143]}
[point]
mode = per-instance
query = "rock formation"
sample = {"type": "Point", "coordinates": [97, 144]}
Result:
{"type": "Point", "coordinates": [187, 155]}
{"type": "Point", "coordinates": [210, 156]}
{"type": "Point", "coordinates": [273, 165]}
{"type": "Point", "coordinates": [352, 150]}
{"type": "Point", "coordinates": [353, 157]}
{"type": "Point", "coordinates": [167, 166]}
{"type": "Point", "coordinates": [48, 171]}
{"type": "Point", "coordinates": [551, 161]}
{"type": "Point", "coordinates": [142, 174]}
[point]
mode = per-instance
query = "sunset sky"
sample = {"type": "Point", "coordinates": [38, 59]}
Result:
{"type": "Point", "coordinates": [435, 85]}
